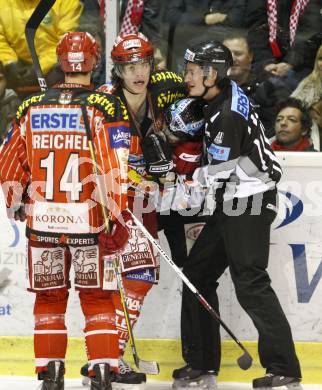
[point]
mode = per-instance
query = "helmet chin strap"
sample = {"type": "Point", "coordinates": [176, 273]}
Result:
{"type": "Point", "coordinates": [206, 88]}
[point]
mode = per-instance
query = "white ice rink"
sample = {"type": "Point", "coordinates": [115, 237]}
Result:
{"type": "Point", "coordinates": [26, 383]}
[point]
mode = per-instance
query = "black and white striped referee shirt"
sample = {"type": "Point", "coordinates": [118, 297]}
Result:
{"type": "Point", "coordinates": [240, 161]}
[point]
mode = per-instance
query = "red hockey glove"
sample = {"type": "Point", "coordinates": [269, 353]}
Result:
{"type": "Point", "coordinates": [186, 157]}
{"type": "Point", "coordinates": [115, 241]}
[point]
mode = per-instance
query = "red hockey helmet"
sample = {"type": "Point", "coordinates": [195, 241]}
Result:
{"type": "Point", "coordinates": [78, 52]}
{"type": "Point", "coordinates": [131, 48]}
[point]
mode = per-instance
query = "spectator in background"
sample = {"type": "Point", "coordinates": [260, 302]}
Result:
{"type": "Point", "coordinates": [309, 89]}
{"type": "Point", "coordinates": [309, 92]}
{"type": "Point", "coordinates": [263, 89]}
{"type": "Point", "coordinates": [131, 16]}
{"type": "Point", "coordinates": [316, 113]}
{"type": "Point", "coordinates": [8, 105]}
{"type": "Point", "coordinates": [196, 20]}
{"type": "Point", "coordinates": [207, 13]}
{"type": "Point", "coordinates": [279, 30]}
{"type": "Point", "coordinates": [144, 16]}
{"type": "Point", "coordinates": [14, 53]}
{"type": "Point", "coordinates": [293, 128]}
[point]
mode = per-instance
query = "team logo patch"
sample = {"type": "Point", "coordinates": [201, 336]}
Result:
{"type": "Point", "coordinates": [189, 55]}
{"type": "Point", "coordinates": [120, 137]}
{"type": "Point", "coordinates": [138, 252]}
{"type": "Point", "coordinates": [219, 152]}
{"type": "Point", "coordinates": [65, 97]}
{"type": "Point", "coordinates": [48, 19]}
{"type": "Point", "coordinates": [48, 268]}
{"type": "Point", "coordinates": [85, 262]}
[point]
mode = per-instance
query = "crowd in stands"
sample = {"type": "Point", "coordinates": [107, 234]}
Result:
{"type": "Point", "coordinates": [276, 47]}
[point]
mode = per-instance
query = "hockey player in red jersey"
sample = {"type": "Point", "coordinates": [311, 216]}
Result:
{"type": "Point", "coordinates": [146, 94]}
{"type": "Point", "coordinates": [46, 169]}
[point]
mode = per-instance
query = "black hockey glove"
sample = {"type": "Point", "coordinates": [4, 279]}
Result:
{"type": "Point", "coordinates": [157, 154]}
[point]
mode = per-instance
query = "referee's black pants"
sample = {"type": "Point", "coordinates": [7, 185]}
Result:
{"type": "Point", "coordinates": [242, 244]}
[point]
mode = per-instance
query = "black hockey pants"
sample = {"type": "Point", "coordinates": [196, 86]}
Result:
{"type": "Point", "coordinates": [173, 226]}
{"type": "Point", "coordinates": [242, 244]}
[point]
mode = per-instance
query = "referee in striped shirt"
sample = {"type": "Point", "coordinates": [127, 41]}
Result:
{"type": "Point", "coordinates": [241, 171]}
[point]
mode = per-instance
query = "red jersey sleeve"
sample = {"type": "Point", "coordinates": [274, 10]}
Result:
{"type": "Point", "coordinates": [14, 169]}
{"type": "Point", "coordinates": [112, 143]}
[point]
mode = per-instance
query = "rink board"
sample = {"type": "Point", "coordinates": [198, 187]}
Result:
{"type": "Point", "coordinates": [17, 358]}
{"type": "Point", "coordinates": [295, 269]}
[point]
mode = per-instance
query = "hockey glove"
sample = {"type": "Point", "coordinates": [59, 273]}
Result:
{"type": "Point", "coordinates": [157, 155]}
{"type": "Point", "coordinates": [115, 241]}
{"type": "Point", "coordinates": [187, 157]}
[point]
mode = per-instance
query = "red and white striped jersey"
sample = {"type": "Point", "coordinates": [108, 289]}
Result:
{"type": "Point", "coordinates": [47, 154]}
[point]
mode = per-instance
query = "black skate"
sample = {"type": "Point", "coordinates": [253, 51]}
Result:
{"type": "Point", "coordinates": [188, 377]}
{"type": "Point", "coordinates": [86, 381]}
{"type": "Point", "coordinates": [270, 381]}
{"type": "Point", "coordinates": [127, 378]}
{"type": "Point", "coordinates": [53, 379]}
{"type": "Point", "coordinates": [102, 378]}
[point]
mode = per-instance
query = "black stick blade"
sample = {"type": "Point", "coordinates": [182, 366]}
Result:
{"type": "Point", "coordinates": [245, 361]}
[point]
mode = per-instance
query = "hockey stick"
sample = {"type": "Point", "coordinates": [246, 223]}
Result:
{"type": "Point", "coordinates": [33, 23]}
{"type": "Point", "coordinates": [147, 367]}
{"type": "Point", "coordinates": [244, 361]}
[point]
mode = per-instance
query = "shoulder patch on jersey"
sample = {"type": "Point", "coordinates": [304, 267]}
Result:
{"type": "Point", "coordinates": [239, 101]}
{"type": "Point", "coordinates": [104, 102]}
{"type": "Point", "coordinates": [220, 153]}
{"type": "Point", "coordinates": [164, 75]}
{"type": "Point", "coordinates": [120, 137]}
{"type": "Point", "coordinates": [166, 87]}
{"type": "Point", "coordinates": [107, 104]}
{"type": "Point", "coordinates": [27, 103]}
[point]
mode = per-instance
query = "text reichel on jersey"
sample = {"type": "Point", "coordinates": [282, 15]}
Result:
{"type": "Point", "coordinates": [47, 151]}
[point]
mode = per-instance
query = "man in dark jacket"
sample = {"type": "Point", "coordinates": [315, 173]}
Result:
{"type": "Point", "coordinates": [279, 40]}
{"type": "Point", "coordinates": [193, 20]}
{"type": "Point", "coordinates": [263, 88]}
